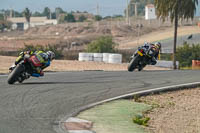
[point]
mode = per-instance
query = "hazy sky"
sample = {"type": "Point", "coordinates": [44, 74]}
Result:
{"type": "Point", "coordinates": [106, 7]}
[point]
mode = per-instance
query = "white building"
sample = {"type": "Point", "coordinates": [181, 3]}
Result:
{"type": "Point", "coordinates": [150, 12]}
{"type": "Point", "coordinates": [20, 23]}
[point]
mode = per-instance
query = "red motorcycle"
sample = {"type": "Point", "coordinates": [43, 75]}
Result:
{"type": "Point", "coordinates": [24, 69]}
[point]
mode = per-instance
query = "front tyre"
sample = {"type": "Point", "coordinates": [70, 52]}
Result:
{"type": "Point", "coordinates": [133, 63]}
{"type": "Point", "coordinates": [13, 76]}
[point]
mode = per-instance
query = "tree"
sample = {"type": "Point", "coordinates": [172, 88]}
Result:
{"type": "Point", "coordinates": [17, 14]}
{"type": "Point", "coordinates": [175, 9]}
{"type": "Point", "coordinates": [53, 15]}
{"type": "Point", "coordinates": [70, 18]}
{"type": "Point", "coordinates": [82, 18]}
{"type": "Point", "coordinates": [1, 16]}
{"type": "Point", "coordinates": [98, 18]}
{"type": "Point", "coordinates": [47, 12]}
{"type": "Point", "coordinates": [107, 17]}
{"type": "Point", "coordinates": [5, 24]}
{"type": "Point", "coordinates": [27, 15]}
{"type": "Point", "coordinates": [101, 45]}
{"type": "Point", "coordinates": [58, 11]}
{"type": "Point", "coordinates": [37, 14]}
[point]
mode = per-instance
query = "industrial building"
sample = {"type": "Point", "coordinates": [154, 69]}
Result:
{"type": "Point", "coordinates": [20, 23]}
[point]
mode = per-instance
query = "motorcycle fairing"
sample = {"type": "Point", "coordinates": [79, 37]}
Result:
{"type": "Point", "coordinates": [35, 61]}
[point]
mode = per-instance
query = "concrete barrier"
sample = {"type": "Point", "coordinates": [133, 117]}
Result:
{"type": "Point", "coordinates": [106, 57]}
{"type": "Point", "coordinates": [115, 58]}
{"type": "Point", "coordinates": [98, 57]}
{"type": "Point", "coordinates": [85, 57]}
{"type": "Point", "coordinates": [168, 64]}
{"type": "Point", "coordinates": [101, 57]}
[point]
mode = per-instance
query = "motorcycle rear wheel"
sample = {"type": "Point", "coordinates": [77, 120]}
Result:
{"type": "Point", "coordinates": [12, 77]}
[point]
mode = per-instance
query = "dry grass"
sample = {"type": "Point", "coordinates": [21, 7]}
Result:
{"type": "Point", "coordinates": [125, 36]}
{"type": "Point", "coordinates": [68, 65]}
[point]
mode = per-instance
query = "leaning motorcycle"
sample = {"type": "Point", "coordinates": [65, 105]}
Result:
{"type": "Point", "coordinates": [140, 59]}
{"type": "Point", "coordinates": [23, 70]}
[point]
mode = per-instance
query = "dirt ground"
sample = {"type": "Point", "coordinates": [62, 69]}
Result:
{"type": "Point", "coordinates": [65, 34]}
{"type": "Point", "coordinates": [125, 36]}
{"type": "Point", "coordinates": [69, 65]}
{"type": "Point", "coordinates": [174, 112]}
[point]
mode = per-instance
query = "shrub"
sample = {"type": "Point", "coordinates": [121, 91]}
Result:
{"type": "Point", "coordinates": [5, 24]}
{"type": "Point", "coordinates": [166, 56]}
{"type": "Point", "coordinates": [141, 120]}
{"type": "Point", "coordinates": [1, 16]}
{"type": "Point", "coordinates": [186, 53]}
{"type": "Point", "coordinates": [98, 18]}
{"type": "Point", "coordinates": [103, 44]}
{"type": "Point", "coordinates": [70, 18]}
{"type": "Point", "coordinates": [82, 18]}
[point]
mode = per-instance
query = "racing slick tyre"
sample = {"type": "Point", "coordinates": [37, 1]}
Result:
{"type": "Point", "coordinates": [133, 63]}
{"type": "Point", "coordinates": [12, 77]}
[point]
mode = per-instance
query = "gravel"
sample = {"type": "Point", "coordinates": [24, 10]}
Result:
{"type": "Point", "coordinates": [174, 112]}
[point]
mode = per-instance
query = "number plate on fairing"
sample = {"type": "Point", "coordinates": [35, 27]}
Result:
{"type": "Point", "coordinates": [140, 53]}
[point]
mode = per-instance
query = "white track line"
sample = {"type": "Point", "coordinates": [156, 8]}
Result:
{"type": "Point", "coordinates": [172, 87]}
{"type": "Point", "coordinates": [145, 91]}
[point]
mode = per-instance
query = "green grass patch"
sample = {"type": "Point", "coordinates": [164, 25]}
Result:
{"type": "Point", "coordinates": [117, 117]}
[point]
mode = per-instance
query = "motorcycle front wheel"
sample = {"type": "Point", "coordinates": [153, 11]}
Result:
{"type": "Point", "coordinates": [133, 63]}
{"type": "Point", "coordinates": [12, 77]}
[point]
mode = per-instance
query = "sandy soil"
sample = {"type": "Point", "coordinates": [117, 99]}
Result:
{"type": "Point", "coordinates": [160, 34]}
{"type": "Point", "coordinates": [175, 112]}
{"type": "Point", "coordinates": [64, 34]}
{"type": "Point", "coordinates": [69, 65]}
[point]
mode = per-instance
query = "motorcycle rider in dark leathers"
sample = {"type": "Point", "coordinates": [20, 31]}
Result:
{"type": "Point", "coordinates": [153, 51]}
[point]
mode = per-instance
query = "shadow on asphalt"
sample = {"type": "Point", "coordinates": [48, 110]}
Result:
{"type": "Point", "coordinates": [43, 83]}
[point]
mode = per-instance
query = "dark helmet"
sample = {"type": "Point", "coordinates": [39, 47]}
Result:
{"type": "Point", "coordinates": [157, 45]}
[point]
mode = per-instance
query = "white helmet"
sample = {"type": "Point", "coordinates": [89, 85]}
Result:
{"type": "Point", "coordinates": [51, 55]}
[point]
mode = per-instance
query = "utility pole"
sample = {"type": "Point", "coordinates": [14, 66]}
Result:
{"type": "Point", "coordinates": [10, 12]}
{"type": "Point", "coordinates": [98, 15]}
{"type": "Point", "coordinates": [136, 11]}
{"type": "Point", "coordinates": [57, 13]}
{"type": "Point", "coordinates": [127, 13]}
{"type": "Point", "coordinates": [5, 16]}
{"type": "Point", "coordinates": [49, 13]}
{"type": "Point", "coordinates": [98, 9]}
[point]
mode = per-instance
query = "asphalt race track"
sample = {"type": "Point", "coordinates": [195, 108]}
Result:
{"type": "Point", "coordinates": [36, 105]}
